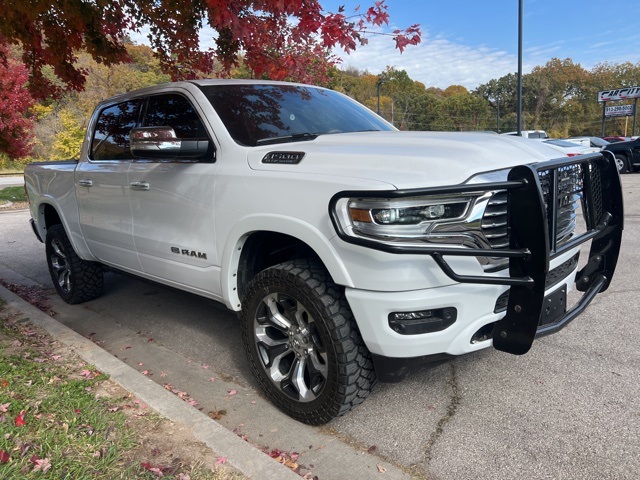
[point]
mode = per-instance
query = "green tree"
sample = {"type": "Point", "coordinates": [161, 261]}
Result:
{"type": "Point", "coordinates": [68, 141]}
{"type": "Point", "coordinates": [461, 110]}
{"type": "Point", "coordinates": [61, 128]}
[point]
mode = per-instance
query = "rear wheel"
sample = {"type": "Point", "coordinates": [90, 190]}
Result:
{"type": "Point", "coordinates": [75, 280]}
{"type": "Point", "coordinates": [303, 343]}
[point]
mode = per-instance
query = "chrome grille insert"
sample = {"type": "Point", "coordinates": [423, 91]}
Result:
{"type": "Point", "coordinates": [570, 187]}
{"type": "Point", "coordinates": [494, 221]}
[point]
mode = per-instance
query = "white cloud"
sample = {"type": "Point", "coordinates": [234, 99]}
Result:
{"type": "Point", "coordinates": [435, 62]}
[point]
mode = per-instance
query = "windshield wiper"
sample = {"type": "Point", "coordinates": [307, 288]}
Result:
{"type": "Point", "coordinates": [295, 137]}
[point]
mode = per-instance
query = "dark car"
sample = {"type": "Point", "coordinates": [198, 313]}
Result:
{"type": "Point", "coordinates": [627, 154]}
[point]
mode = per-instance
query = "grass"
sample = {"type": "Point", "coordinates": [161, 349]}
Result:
{"type": "Point", "coordinates": [13, 194]}
{"type": "Point", "coordinates": [59, 420]}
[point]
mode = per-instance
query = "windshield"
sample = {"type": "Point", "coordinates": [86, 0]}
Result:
{"type": "Point", "coordinates": [561, 143]}
{"type": "Point", "coordinates": [254, 113]}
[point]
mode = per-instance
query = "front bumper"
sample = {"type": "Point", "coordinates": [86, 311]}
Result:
{"type": "Point", "coordinates": [533, 248]}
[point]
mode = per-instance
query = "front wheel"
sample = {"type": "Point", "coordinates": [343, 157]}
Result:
{"type": "Point", "coordinates": [622, 163]}
{"type": "Point", "coordinates": [75, 280]}
{"type": "Point", "coordinates": [303, 343]}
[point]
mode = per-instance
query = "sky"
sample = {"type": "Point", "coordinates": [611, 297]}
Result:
{"type": "Point", "coordinates": [469, 42]}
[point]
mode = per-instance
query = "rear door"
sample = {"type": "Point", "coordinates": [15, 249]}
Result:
{"type": "Point", "coordinates": [172, 203]}
{"type": "Point", "coordinates": [103, 189]}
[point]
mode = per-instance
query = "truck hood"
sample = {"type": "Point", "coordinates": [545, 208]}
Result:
{"type": "Point", "coordinates": [403, 159]}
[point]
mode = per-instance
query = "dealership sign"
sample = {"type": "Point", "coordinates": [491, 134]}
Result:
{"type": "Point", "coordinates": [619, 111]}
{"type": "Point", "coordinates": [618, 94]}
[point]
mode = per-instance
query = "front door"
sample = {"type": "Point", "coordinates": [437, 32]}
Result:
{"type": "Point", "coordinates": [172, 204]}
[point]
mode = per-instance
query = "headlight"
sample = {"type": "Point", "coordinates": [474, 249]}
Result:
{"type": "Point", "coordinates": [402, 219]}
{"type": "Point", "coordinates": [472, 215]}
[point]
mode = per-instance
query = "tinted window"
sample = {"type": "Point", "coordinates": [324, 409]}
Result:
{"type": "Point", "coordinates": [252, 113]}
{"type": "Point", "coordinates": [560, 143]}
{"type": "Point", "coordinates": [174, 111]}
{"type": "Point", "coordinates": [537, 135]}
{"type": "Point", "coordinates": [111, 135]}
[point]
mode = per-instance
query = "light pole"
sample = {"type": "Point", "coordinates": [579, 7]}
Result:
{"type": "Point", "coordinates": [520, 8]}
{"type": "Point", "coordinates": [498, 110]}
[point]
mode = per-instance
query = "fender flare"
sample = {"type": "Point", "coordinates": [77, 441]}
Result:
{"type": "Point", "coordinates": [75, 235]}
{"type": "Point", "coordinates": [293, 227]}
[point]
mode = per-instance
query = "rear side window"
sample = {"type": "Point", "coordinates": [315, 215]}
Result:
{"type": "Point", "coordinates": [175, 111]}
{"type": "Point", "coordinates": [111, 135]}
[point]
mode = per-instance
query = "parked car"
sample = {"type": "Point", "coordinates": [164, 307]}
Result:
{"type": "Point", "coordinates": [595, 142]}
{"type": "Point", "coordinates": [614, 139]}
{"type": "Point", "coordinates": [529, 134]}
{"type": "Point", "coordinates": [568, 148]}
{"type": "Point", "coordinates": [627, 154]}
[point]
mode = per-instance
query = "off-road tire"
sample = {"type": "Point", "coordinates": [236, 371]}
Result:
{"type": "Point", "coordinates": [336, 372]}
{"type": "Point", "coordinates": [74, 279]}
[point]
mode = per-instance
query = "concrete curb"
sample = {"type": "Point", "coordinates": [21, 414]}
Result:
{"type": "Point", "coordinates": [241, 455]}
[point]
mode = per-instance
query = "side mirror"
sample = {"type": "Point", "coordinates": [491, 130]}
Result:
{"type": "Point", "coordinates": [162, 143]}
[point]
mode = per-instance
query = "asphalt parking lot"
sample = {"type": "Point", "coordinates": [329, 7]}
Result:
{"type": "Point", "coordinates": [568, 409]}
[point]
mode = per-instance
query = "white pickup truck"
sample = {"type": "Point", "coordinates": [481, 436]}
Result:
{"type": "Point", "coordinates": [350, 250]}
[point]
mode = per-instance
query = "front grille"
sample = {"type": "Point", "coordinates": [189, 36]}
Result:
{"type": "Point", "coordinates": [596, 193]}
{"type": "Point", "coordinates": [569, 188]}
{"type": "Point", "coordinates": [494, 221]}
{"type": "Point", "coordinates": [571, 180]}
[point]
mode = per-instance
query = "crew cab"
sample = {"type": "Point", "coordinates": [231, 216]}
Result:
{"type": "Point", "coordinates": [350, 250]}
{"type": "Point", "coordinates": [627, 154]}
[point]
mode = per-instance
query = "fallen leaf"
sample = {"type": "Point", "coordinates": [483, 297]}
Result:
{"type": "Point", "coordinates": [147, 372]}
{"type": "Point", "coordinates": [232, 392]}
{"type": "Point", "coordinates": [163, 374]}
{"type": "Point", "coordinates": [221, 460]}
{"type": "Point", "coordinates": [56, 357]}
{"type": "Point", "coordinates": [4, 406]}
{"type": "Point", "coordinates": [19, 420]}
{"type": "Point", "coordinates": [4, 456]}
{"type": "Point", "coordinates": [212, 379]}
{"type": "Point", "coordinates": [157, 471]}
{"type": "Point", "coordinates": [205, 367]}
{"type": "Point", "coordinates": [43, 464]}
{"type": "Point", "coordinates": [4, 383]}
{"type": "Point", "coordinates": [381, 469]}
{"type": "Point", "coordinates": [372, 449]}
{"type": "Point", "coordinates": [86, 373]}
{"type": "Point", "coordinates": [140, 364]}
{"type": "Point", "coordinates": [217, 414]}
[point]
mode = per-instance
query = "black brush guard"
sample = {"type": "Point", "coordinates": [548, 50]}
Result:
{"type": "Point", "coordinates": [533, 223]}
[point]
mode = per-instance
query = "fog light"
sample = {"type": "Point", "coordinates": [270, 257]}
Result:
{"type": "Point", "coordinates": [423, 321]}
